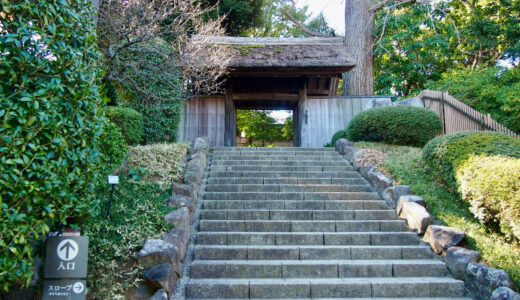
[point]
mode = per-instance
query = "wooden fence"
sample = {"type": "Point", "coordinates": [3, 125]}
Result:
{"type": "Point", "coordinates": [456, 116]}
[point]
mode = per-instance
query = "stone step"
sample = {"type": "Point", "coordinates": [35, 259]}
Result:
{"type": "Point", "coordinates": [277, 153]}
{"type": "Point", "coordinates": [302, 226]}
{"type": "Point", "coordinates": [317, 268]}
{"type": "Point", "coordinates": [285, 174]}
{"type": "Point", "coordinates": [264, 214]}
{"type": "Point", "coordinates": [273, 168]}
{"type": "Point", "coordinates": [277, 157]}
{"type": "Point", "coordinates": [291, 196]}
{"type": "Point", "coordinates": [378, 298]}
{"type": "Point", "coordinates": [300, 163]}
{"type": "Point", "coordinates": [303, 252]}
{"type": "Point", "coordinates": [307, 238]}
{"type": "Point", "coordinates": [416, 287]}
{"type": "Point", "coordinates": [294, 180]}
{"type": "Point", "coordinates": [288, 188]}
{"type": "Point", "coordinates": [297, 204]}
{"type": "Point", "coordinates": [260, 149]}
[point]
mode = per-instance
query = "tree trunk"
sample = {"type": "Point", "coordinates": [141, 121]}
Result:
{"type": "Point", "coordinates": [359, 40]}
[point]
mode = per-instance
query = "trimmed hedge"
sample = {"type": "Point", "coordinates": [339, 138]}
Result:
{"type": "Point", "coordinates": [399, 125]}
{"type": "Point", "coordinates": [443, 155]}
{"type": "Point", "coordinates": [160, 122]}
{"type": "Point", "coordinates": [112, 149]}
{"type": "Point", "coordinates": [129, 121]}
{"type": "Point", "coordinates": [341, 134]}
{"type": "Point", "coordinates": [49, 128]}
{"type": "Point", "coordinates": [491, 185]}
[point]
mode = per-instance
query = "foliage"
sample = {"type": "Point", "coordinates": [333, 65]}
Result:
{"type": "Point", "coordinates": [340, 134]}
{"type": "Point", "coordinates": [49, 125]}
{"type": "Point", "coordinates": [494, 91]}
{"type": "Point", "coordinates": [258, 125]}
{"type": "Point", "coordinates": [491, 185]}
{"type": "Point", "coordinates": [161, 122]}
{"type": "Point", "coordinates": [162, 162]}
{"type": "Point", "coordinates": [113, 150]}
{"type": "Point", "coordinates": [240, 16]}
{"type": "Point", "coordinates": [288, 129]}
{"type": "Point", "coordinates": [400, 125]}
{"type": "Point", "coordinates": [444, 154]}
{"type": "Point", "coordinates": [407, 167]}
{"type": "Point", "coordinates": [113, 271]}
{"type": "Point", "coordinates": [111, 94]}
{"type": "Point", "coordinates": [129, 121]}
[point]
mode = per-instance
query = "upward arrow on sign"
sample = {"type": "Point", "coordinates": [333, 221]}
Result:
{"type": "Point", "coordinates": [67, 247]}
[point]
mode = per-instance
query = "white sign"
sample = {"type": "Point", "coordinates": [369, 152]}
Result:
{"type": "Point", "coordinates": [67, 250]}
{"type": "Point", "coordinates": [113, 179]}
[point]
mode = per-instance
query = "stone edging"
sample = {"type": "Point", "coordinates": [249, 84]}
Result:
{"type": "Point", "coordinates": [162, 259]}
{"type": "Point", "coordinates": [482, 282]}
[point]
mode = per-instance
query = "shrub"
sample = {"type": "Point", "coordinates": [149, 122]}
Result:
{"type": "Point", "coordinates": [444, 154]}
{"type": "Point", "coordinates": [49, 125]}
{"type": "Point", "coordinates": [129, 121]}
{"type": "Point", "coordinates": [341, 134]}
{"type": "Point", "coordinates": [112, 148]}
{"type": "Point", "coordinates": [491, 185]}
{"type": "Point", "coordinates": [160, 122]}
{"type": "Point", "coordinates": [399, 125]}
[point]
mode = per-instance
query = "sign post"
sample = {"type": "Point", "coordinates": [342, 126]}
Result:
{"type": "Point", "coordinates": [66, 258]}
{"type": "Point", "coordinates": [112, 180]}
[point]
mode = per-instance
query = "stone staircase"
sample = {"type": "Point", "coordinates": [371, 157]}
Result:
{"type": "Point", "coordinates": [299, 223]}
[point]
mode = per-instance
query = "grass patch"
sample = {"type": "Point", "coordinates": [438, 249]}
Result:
{"type": "Point", "coordinates": [405, 166]}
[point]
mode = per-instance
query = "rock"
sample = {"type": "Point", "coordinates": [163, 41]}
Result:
{"type": "Point", "coordinates": [415, 101]}
{"type": "Point", "coordinates": [201, 156]}
{"type": "Point", "coordinates": [181, 201]}
{"type": "Point", "coordinates": [179, 238]}
{"type": "Point", "coordinates": [352, 154]}
{"type": "Point", "coordinates": [482, 281]}
{"type": "Point", "coordinates": [200, 144]}
{"type": "Point", "coordinates": [180, 218]}
{"type": "Point", "coordinates": [341, 145]}
{"type": "Point", "coordinates": [194, 164]}
{"type": "Point", "coordinates": [159, 295]}
{"type": "Point", "coordinates": [441, 238]}
{"type": "Point", "coordinates": [416, 216]}
{"type": "Point", "coordinates": [457, 260]}
{"type": "Point", "coordinates": [182, 189]}
{"type": "Point", "coordinates": [142, 292]}
{"type": "Point", "coordinates": [378, 102]}
{"type": "Point", "coordinates": [379, 180]}
{"type": "Point", "coordinates": [163, 276]}
{"type": "Point", "coordinates": [504, 293]}
{"type": "Point", "coordinates": [156, 252]}
{"type": "Point", "coordinates": [392, 194]}
{"type": "Point", "coordinates": [365, 170]}
{"type": "Point", "coordinates": [409, 198]}
{"type": "Point", "coordinates": [193, 176]}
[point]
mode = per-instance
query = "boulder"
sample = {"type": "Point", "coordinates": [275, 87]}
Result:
{"type": "Point", "coordinates": [416, 216]}
{"type": "Point", "coordinates": [504, 293]}
{"type": "Point", "coordinates": [193, 176]}
{"type": "Point", "coordinates": [163, 276]}
{"type": "Point", "coordinates": [482, 280]}
{"type": "Point", "coordinates": [181, 201]}
{"type": "Point", "coordinates": [156, 252]}
{"type": "Point", "coordinates": [457, 260]}
{"type": "Point", "coordinates": [180, 218]}
{"type": "Point", "coordinates": [142, 292]}
{"type": "Point", "coordinates": [352, 153]}
{"type": "Point", "coordinates": [159, 295]}
{"type": "Point", "coordinates": [341, 145]}
{"type": "Point", "coordinates": [180, 238]}
{"type": "Point", "coordinates": [441, 238]}
{"type": "Point", "coordinates": [194, 164]}
{"type": "Point", "coordinates": [379, 180]}
{"type": "Point", "coordinates": [409, 198]}
{"type": "Point", "coordinates": [359, 163]}
{"type": "Point", "coordinates": [182, 189]}
{"type": "Point", "coordinates": [200, 144]}
{"type": "Point", "coordinates": [365, 170]}
{"type": "Point", "coordinates": [201, 156]}
{"type": "Point", "coordinates": [378, 102]}
{"type": "Point", "coordinates": [415, 101]}
{"type": "Point", "coordinates": [393, 193]}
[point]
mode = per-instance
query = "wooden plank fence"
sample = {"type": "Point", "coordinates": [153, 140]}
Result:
{"type": "Point", "coordinates": [456, 116]}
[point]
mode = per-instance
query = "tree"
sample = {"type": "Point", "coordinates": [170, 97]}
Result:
{"type": "Point", "coordinates": [149, 51]}
{"type": "Point", "coordinates": [239, 16]}
{"type": "Point", "coordinates": [258, 125]}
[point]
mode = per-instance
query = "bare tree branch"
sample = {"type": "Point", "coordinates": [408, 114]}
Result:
{"type": "Point", "coordinates": [305, 29]}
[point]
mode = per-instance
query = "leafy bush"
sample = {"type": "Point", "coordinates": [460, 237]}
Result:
{"type": "Point", "coordinates": [399, 125]}
{"type": "Point", "coordinates": [49, 125]}
{"type": "Point", "coordinates": [443, 155]}
{"type": "Point", "coordinates": [112, 148]}
{"type": "Point", "coordinates": [341, 134]}
{"type": "Point", "coordinates": [491, 185]}
{"type": "Point", "coordinates": [493, 90]}
{"type": "Point", "coordinates": [160, 122]}
{"type": "Point", "coordinates": [129, 121]}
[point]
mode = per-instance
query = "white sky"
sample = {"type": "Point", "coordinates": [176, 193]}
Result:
{"type": "Point", "coordinates": [333, 10]}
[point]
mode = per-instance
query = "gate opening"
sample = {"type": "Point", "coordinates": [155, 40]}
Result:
{"type": "Point", "coordinates": [264, 128]}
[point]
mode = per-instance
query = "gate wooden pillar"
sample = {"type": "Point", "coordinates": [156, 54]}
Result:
{"type": "Point", "coordinates": [230, 122]}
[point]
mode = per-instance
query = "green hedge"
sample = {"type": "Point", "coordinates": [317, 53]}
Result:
{"type": "Point", "coordinates": [129, 121]}
{"type": "Point", "coordinates": [49, 125]}
{"type": "Point", "coordinates": [112, 150]}
{"type": "Point", "coordinates": [160, 122]}
{"type": "Point", "coordinates": [444, 154]}
{"type": "Point", "coordinates": [491, 185]}
{"type": "Point", "coordinates": [341, 134]}
{"type": "Point", "coordinates": [399, 125]}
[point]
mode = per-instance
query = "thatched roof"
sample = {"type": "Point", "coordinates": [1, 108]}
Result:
{"type": "Point", "coordinates": [286, 55]}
